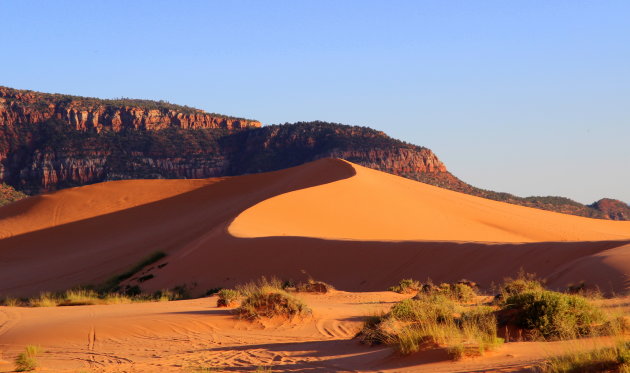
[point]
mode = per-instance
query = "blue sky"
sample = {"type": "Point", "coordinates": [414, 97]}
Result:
{"type": "Point", "coordinates": [527, 97]}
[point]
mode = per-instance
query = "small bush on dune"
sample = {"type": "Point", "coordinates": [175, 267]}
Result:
{"type": "Point", "coordinates": [227, 297]}
{"type": "Point", "coordinates": [27, 360]}
{"type": "Point", "coordinates": [313, 286]}
{"type": "Point", "coordinates": [555, 315]}
{"type": "Point", "coordinates": [611, 359]}
{"type": "Point", "coordinates": [524, 282]}
{"type": "Point", "coordinates": [406, 286]}
{"type": "Point", "coordinates": [460, 292]}
{"type": "Point", "coordinates": [266, 298]}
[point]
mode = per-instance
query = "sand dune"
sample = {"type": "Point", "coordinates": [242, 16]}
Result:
{"type": "Point", "coordinates": [356, 228]}
{"type": "Point", "coordinates": [377, 206]}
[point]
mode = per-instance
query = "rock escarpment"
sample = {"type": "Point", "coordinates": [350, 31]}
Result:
{"type": "Point", "coordinates": [85, 114]}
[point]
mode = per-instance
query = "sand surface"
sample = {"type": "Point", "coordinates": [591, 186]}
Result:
{"type": "Point", "coordinates": [185, 335]}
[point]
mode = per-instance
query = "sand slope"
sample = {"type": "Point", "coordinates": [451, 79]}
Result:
{"type": "Point", "coordinates": [356, 228]}
{"type": "Point", "coordinates": [377, 206]}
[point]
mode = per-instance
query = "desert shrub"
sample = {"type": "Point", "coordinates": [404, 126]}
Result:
{"type": "Point", "coordinates": [524, 282]}
{"type": "Point", "coordinates": [27, 360]}
{"type": "Point", "coordinates": [271, 302]}
{"type": "Point", "coordinates": [406, 286]}
{"type": "Point", "coordinates": [227, 297]}
{"type": "Point", "coordinates": [266, 298]}
{"type": "Point", "coordinates": [434, 321]}
{"type": "Point", "coordinates": [460, 292]}
{"type": "Point", "coordinates": [610, 359]}
{"type": "Point", "coordinates": [313, 286]}
{"type": "Point", "coordinates": [554, 315]}
{"type": "Point", "coordinates": [253, 287]}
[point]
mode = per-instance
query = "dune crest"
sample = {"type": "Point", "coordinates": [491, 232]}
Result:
{"type": "Point", "coordinates": [373, 205]}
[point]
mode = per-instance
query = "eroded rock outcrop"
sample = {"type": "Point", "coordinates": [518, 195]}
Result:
{"type": "Point", "coordinates": [85, 114]}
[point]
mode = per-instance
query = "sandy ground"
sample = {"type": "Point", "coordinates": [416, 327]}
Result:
{"type": "Point", "coordinates": [183, 336]}
{"type": "Point", "coordinates": [358, 229]}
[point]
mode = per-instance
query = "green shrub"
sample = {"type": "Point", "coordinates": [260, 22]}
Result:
{"type": "Point", "coordinates": [406, 286]}
{"type": "Point", "coordinates": [27, 360]}
{"type": "Point", "coordinates": [227, 297]}
{"type": "Point", "coordinates": [555, 315]}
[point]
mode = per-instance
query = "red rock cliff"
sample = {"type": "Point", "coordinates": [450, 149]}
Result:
{"type": "Point", "coordinates": [19, 106]}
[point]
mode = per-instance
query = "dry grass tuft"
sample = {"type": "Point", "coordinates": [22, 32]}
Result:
{"type": "Point", "coordinates": [266, 299]}
{"type": "Point", "coordinates": [27, 360]}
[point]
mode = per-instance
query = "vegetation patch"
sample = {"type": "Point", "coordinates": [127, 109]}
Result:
{"type": "Point", "coordinates": [406, 286]}
{"type": "Point", "coordinates": [266, 299]}
{"type": "Point", "coordinates": [313, 286]}
{"type": "Point", "coordinates": [114, 282]}
{"type": "Point", "coordinates": [611, 359]}
{"type": "Point", "coordinates": [27, 360]}
{"type": "Point", "coordinates": [430, 321]}
{"type": "Point", "coordinates": [227, 297]}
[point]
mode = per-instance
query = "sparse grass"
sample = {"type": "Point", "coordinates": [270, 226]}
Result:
{"type": "Point", "coordinates": [460, 292]}
{"type": "Point", "coordinates": [406, 286]}
{"type": "Point", "coordinates": [113, 283]}
{"type": "Point", "coordinates": [610, 359]}
{"type": "Point", "coordinates": [83, 297]}
{"type": "Point", "coordinates": [27, 360]}
{"type": "Point", "coordinates": [264, 369]}
{"type": "Point", "coordinates": [434, 321]}
{"type": "Point", "coordinates": [227, 297]}
{"type": "Point", "coordinates": [44, 300]}
{"type": "Point", "coordinates": [266, 298]}
{"type": "Point", "coordinates": [10, 302]}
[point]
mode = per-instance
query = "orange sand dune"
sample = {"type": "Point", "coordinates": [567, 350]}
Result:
{"type": "Point", "coordinates": [355, 228]}
{"type": "Point", "coordinates": [74, 204]}
{"type": "Point", "coordinates": [377, 206]}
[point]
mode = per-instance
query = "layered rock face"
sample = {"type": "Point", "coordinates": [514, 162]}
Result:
{"type": "Point", "coordinates": [84, 114]}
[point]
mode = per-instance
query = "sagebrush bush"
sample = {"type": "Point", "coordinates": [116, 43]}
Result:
{"type": "Point", "coordinates": [227, 297]}
{"type": "Point", "coordinates": [555, 315]}
{"type": "Point", "coordinates": [27, 360]}
{"type": "Point", "coordinates": [406, 286]}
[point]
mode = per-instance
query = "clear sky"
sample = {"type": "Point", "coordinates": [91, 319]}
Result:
{"type": "Point", "coordinates": [527, 97]}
